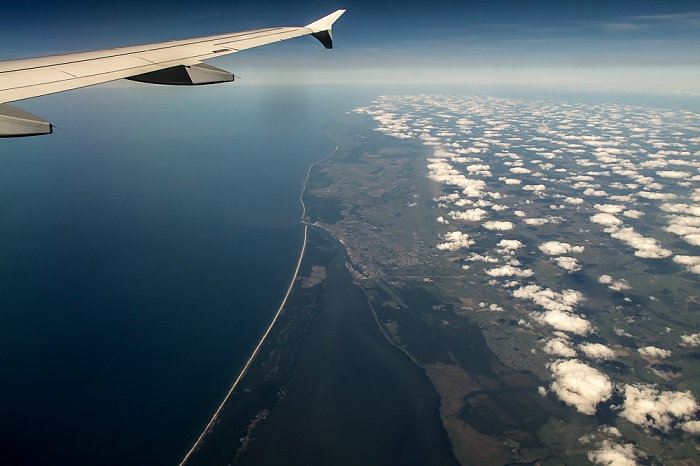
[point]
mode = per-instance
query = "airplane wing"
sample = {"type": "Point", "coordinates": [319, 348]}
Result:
{"type": "Point", "coordinates": [176, 62]}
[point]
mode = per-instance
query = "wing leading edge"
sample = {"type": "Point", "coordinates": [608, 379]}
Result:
{"type": "Point", "coordinates": [175, 62]}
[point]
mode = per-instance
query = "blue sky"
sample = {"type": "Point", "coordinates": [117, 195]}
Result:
{"type": "Point", "coordinates": [618, 43]}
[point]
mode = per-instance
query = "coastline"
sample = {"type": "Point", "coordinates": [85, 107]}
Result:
{"type": "Point", "coordinates": [326, 377]}
{"type": "Point", "coordinates": [385, 228]}
{"type": "Point", "coordinates": [353, 398]}
{"type": "Point", "coordinates": [350, 386]}
{"type": "Point", "coordinates": [214, 419]}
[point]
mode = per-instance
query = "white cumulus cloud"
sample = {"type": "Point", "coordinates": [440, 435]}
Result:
{"type": "Point", "coordinates": [556, 248]}
{"type": "Point", "coordinates": [657, 196]}
{"type": "Point", "coordinates": [633, 213]}
{"type": "Point", "coordinates": [536, 221]}
{"type": "Point", "coordinates": [509, 271]}
{"type": "Point", "coordinates": [520, 170]}
{"type": "Point", "coordinates": [455, 241]}
{"type": "Point", "coordinates": [675, 174]}
{"type": "Point", "coordinates": [651, 408]}
{"type": "Point", "coordinates": [691, 340]}
{"type": "Point", "coordinates": [564, 321]}
{"type": "Point", "coordinates": [654, 352]}
{"type": "Point", "coordinates": [559, 347]}
{"type": "Point", "coordinates": [609, 208]}
{"type": "Point", "coordinates": [613, 454]}
{"type": "Point", "coordinates": [568, 263]}
{"type": "Point", "coordinates": [535, 187]}
{"type": "Point", "coordinates": [580, 385]}
{"type": "Point", "coordinates": [471, 215]}
{"type": "Point", "coordinates": [498, 225]}
{"type": "Point", "coordinates": [647, 248]}
{"type": "Point", "coordinates": [606, 219]}
{"type": "Point", "coordinates": [558, 308]}
{"type": "Point", "coordinates": [605, 279]}
{"type": "Point", "coordinates": [508, 245]}
{"type": "Point", "coordinates": [687, 260]}
{"type": "Point", "coordinates": [597, 351]}
{"type": "Point", "coordinates": [692, 427]}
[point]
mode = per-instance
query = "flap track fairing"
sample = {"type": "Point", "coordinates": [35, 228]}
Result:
{"type": "Point", "coordinates": [181, 75]}
{"type": "Point", "coordinates": [15, 122]}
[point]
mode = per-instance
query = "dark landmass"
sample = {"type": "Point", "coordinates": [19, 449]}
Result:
{"type": "Point", "coordinates": [374, 364]}
{"type": "Point", "coordinates": [492, 412]}
{"type": "Point", "coordinates": [399, 358]}
{"type": "Point", "coordinates": [353, 397]}
{"type": "Point", "coordinates": [327, 387]}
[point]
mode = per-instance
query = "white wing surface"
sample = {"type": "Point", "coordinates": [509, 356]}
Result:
{"type": "Point", "coordinates": [176, 62]}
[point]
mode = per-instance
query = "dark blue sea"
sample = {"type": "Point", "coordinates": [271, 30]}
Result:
{"type": "Point", "coordinates": [144, 248]}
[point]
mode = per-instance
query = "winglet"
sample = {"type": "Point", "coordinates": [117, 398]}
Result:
{"type": "Point", "coordinates": [321, 29]}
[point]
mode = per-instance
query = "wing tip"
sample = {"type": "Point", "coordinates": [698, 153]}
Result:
{"type": "Point", "coordinates": [325, 23]}
{"type": "Point", "coordinates": [321, 28]}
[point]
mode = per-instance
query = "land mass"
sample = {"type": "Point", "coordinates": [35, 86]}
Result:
{"type": "Point", "coordinates": [325, 386]}
{"type": "Point", "coordinates": [391, 351]}
{"type": "Point", "coordinates": [369, 197]}
{"type": "Point", "coordinates": [374, 363]}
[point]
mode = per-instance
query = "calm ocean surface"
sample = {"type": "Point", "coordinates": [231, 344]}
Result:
{"type": "Point", "coordinates": [143, 252]}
